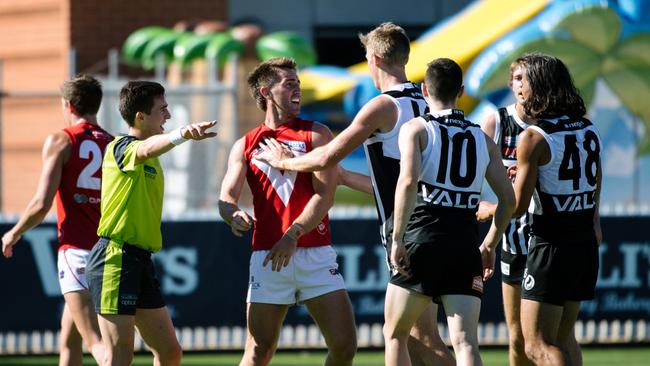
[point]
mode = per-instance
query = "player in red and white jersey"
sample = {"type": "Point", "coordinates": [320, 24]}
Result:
{"type": "Point", "coordinates": [376, 126]}
{"type": "Point", "coordinates": [78, 195]}
{"type": "Point", "coordinates": [292, 260]}
{"type": "Point", "coordinates": [71, 173]}
{"type": "Point", "coordinates": [279, 197]}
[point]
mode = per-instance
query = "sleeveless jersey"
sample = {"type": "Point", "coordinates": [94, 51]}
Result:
{"type": "Point", "coordinates": [454, 163]}
{"type": "Point", "coordinates": [279, 197]}
{"type": "Point", "coordinates": [506, 132]}
{"type": "Point", "coordinates": [565, 188]}
{"type": "Point", "coordinates": [78, 195]}
{"type": "Point", "coordinates": [382, 152]}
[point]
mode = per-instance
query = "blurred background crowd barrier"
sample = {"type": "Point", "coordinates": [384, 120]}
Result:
{"type": "Point", "coordinates": [203, 271]}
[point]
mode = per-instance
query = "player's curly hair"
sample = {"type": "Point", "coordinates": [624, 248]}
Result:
{"type": "Point", "coordinates": [266, 74]}
{"type": "Point", "coordinates": [388, 41]}
{"type": "Point", "coordinates": [552, 92]}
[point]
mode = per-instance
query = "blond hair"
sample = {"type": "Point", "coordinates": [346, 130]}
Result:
{"type": "Point", "coordinates": [266, 74]}
{"type": "Point", "coordinates": [388, 41]}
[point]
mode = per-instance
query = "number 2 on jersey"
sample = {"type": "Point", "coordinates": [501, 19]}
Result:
{"type": "Point", "coordinates": [570, 168]}
{"type": "Point", "coordinates": [90, 150]}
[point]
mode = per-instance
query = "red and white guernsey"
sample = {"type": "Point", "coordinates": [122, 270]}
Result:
{"type": "Point", "coordinates": [78, 196]}
{"type": "Point", "coordinates": [279, 197]}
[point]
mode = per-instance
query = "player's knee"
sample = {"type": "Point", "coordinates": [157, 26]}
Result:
{"type": "Point", "coordinates": [171, 355]}
{"type": "Point", "coordinates": [534, 350]}
{"type": "Point", "coordinates": [261, 351]}
{"type": "Point", "coordinates": [344, 348]}
{"type": "Point", "coordinates": [517, 344]}
{"type": "Point", "coordinates": [115, 357]}
{"type": "Point", "coordinates": [394, 332]}
{"type": "Point", "coordinates": [461, 341]}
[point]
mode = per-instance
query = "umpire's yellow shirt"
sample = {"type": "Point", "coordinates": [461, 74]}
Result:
{"type": "Point", "coordinates": [132, 196]}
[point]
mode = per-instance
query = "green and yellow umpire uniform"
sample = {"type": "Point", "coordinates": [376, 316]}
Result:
{"type": "Point", "coordinates": [120, 272]}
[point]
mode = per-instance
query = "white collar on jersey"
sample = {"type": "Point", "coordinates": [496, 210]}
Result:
{"type": "Point", "coordinates": [554, 120]}
{"type": "Point", "coordinates": [513, 112]}
{"type": "Point", "coordinates": [446, 112]}
{"type": "Point", "coordinates": [402, 86]}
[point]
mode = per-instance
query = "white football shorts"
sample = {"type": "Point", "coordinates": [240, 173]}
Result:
{"type": "Point", "coordinates": [71, 265]}
{"type": "Point", "coordinates": [311, 272]}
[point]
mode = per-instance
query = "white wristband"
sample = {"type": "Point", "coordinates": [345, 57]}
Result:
{"type": "Point", "coordinates": [176, 137]}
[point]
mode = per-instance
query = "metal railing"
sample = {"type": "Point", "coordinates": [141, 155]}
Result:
{"type": "Point", "coordinates": [194, 170]}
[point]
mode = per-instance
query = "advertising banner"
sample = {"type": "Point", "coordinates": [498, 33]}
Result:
{"type": "Point", "coordinates": [203, 270]}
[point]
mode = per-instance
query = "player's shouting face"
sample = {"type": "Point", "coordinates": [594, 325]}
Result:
{"type": "Point", "coordinates": [285, 94]}
{"type": "Point", "coordinates": [154, 121]}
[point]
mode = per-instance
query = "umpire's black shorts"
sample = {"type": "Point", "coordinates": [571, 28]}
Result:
{"type": "Point", "coordinates": [122, 278]}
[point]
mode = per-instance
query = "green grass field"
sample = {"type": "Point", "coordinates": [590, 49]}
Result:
{"type": "Point", "coordinates": [602, 356]}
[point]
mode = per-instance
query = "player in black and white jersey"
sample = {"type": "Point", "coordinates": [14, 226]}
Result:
{"type": "Point", "coordinates": [558, 165]}
{"type": "Point", "coordinates": [377, 126]}
{"type": "Point", "coordinates": [504, 126]}
{"type": "Point", "coordinates": [435, 252]}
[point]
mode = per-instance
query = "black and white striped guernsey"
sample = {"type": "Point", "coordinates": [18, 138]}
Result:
{"type": "Point", "coordinates": [507, 128]}
{"type": "Point", "coordinates": [454, 164]}
{"type": "Point", "coordinates": [566, 186]}
{"type": "Point", "coordinates": [382, 152]}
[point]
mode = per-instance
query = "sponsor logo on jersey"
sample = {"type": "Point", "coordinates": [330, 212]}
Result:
{"type": "Point", "coordinates": [529, 281]}
{"type": "Point", "coordinates": [575, 124]}
{"type": "Point", "coordinates": [61, 274]}
{"type": "Point", "coordinates": [321, 228]}
{"type": "Point", "coordinates": [334, 271]}
{"type": "Point", "coordinates": [81, 270]}
{"type": "Point", "coordinates": [128, 299]}
{"type": "Point", "coordinates": [150, 172]}
{"type": "Point", "coordinates": [458, 122]}
{"type": "Point", "coordinates": [82, 198]}
{"type": "Point", "coordinates": [447, 198]}
{"type": "Point", "coordinates": [300, 146]}
{"type": "Point", "coordinates": [576, 202]}
{"type": "Point", "coordinates": [252, 284]}
{"type": "Point", "coordinates": [505, 268]}
{"type": "Point", "coordinates": [477, 284]}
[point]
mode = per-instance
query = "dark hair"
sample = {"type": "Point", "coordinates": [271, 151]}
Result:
{"type": "Point", "coordinates": [552, 93]}
{"type": "Point", "coordinates": [443, 79]}
{"type": "Point", "coordinates": [138, 96]}
{"type": "Point", "coordinates": [84, 93]}
{"type": "Point", "coordinates": [266, 74]}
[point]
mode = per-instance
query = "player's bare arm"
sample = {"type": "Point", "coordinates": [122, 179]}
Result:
{"type": "Point", "coordinates": [532, 151]}
{"type": "Point", "coordinates": [412, 139]}
{"type": "Point", "coordinates": [157, 145]}
{"type": "Point", "coordinates": [489, 125]}
{"type": "Point", "coordinates": [324, 183]}
{"type": "Point", "coordinates": [597, 228]}
{"type": "Point", "coordinates": [56, 151]}
{"type": "Point", "coordinates": [231, 187]}
{"type": "Point", "coordinates": [354, 180]}
{"type": "Point", "coordinates": [498, 181]}
{"type": "Point", "coordinates": [486, 208]}
{"type": "Point", "coordinates": [377, 115]}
